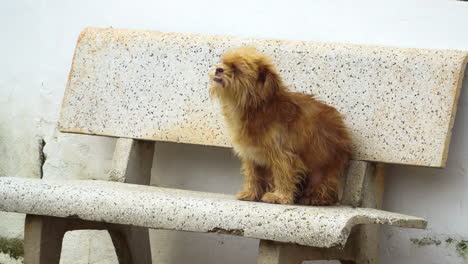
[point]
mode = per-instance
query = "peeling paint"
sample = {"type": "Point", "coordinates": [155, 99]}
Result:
{"type": "Point", "coordinates": [14, 247]}
{"type": "Point", "coordinates": [74, 216]}
{"type": "Point", "coordinates": [236, 232]}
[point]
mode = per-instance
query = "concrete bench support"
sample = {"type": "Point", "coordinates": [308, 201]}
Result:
{"type": "Point", "coordinates": [365, 184]}
{"type": "Point", "coordinates": [43, 235]}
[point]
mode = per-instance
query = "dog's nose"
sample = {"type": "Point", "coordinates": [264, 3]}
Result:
{"type": "Point", "coordinates": [219, 70]}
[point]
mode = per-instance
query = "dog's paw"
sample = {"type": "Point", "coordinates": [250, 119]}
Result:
{"type": "Point", "coordinates": [247, 195]}
{"type": "Point", "coordinates": [277, 198]}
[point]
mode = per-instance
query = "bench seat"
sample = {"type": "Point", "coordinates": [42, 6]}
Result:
{"type": "Point", "coordinates": [172, 209]}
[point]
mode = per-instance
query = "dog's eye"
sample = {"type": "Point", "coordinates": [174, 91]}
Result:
{"type": "Point", "coordinates": [235, 69]}
{"type": "Point", "coordinates": [232, 67]}
{"type": "Point", "coordinates": [262, 75]}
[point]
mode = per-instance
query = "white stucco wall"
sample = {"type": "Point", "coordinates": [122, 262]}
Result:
{"type": "Point", "coordinates": [36, 47]}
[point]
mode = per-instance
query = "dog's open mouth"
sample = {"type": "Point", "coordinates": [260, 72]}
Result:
{"type": "Point", "coordinates": [218, 80]}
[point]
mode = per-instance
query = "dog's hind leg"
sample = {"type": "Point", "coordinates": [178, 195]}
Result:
{"type": "Point", "coordinates": [321, 187]}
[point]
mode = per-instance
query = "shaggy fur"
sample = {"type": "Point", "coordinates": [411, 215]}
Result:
{"type": "Point", "coordinates": [293, 148]}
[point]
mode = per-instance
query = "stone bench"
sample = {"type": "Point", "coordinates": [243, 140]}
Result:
{"type": "Point", "coordinates": [142, 87]}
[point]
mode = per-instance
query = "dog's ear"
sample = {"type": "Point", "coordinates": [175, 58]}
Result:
{"type": "Point", "coordinates": [268, 81]}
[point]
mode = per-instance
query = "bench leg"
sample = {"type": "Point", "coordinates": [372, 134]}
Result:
{"type": "Point", "coordinates": [274, 253]}
{"type": "Point", "coordinates": [132, 163]}
{"type": "Point", "coordinates": [43, 235]}
{"type": "Point", "coordinates": [131, 244]}
{"type": "Point", "coordinates": [284, 253]}
{"type": "Point", "coordinates": [43, 238]}
{"type": "Point", "coordinates": [364, 239]}
{"type": "Point", "coordinates": [364, 190]}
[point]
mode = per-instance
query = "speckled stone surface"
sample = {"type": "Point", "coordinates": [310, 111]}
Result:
{"type": "Point", "coordinates": [399, 103]}
{"type": "Point", "coordinates": [162, 208]}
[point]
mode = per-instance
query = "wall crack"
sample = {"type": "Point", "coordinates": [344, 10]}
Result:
{"type": "Point", "coordinates": [42, 157]}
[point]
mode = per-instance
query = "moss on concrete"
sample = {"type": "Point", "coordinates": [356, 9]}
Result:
{"type": "Point", "coordinates": [462, 248]}
{"type": "Point", "coordinates": [14, 247]}
{"type": "Point", "coordinates": [426, 241]}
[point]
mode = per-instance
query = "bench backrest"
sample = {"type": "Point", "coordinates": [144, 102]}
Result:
{"type": "Point", "coordinates": [399, 103]}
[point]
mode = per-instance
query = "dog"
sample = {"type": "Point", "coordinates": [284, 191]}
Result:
{"type": "Point", "coordinates": [293, 147]}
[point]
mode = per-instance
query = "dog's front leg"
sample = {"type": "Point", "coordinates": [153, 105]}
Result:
{"type": "Point", "coordinates": [286, 171]}
{"type": "Point", "coordinates": [254, 181]}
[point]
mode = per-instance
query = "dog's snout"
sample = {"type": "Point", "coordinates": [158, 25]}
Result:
{"type": "Point", "coordinates": [219, 70]}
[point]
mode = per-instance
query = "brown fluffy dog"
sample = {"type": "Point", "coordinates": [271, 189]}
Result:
{"type": "Point", "coordinates": [293, 147]}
